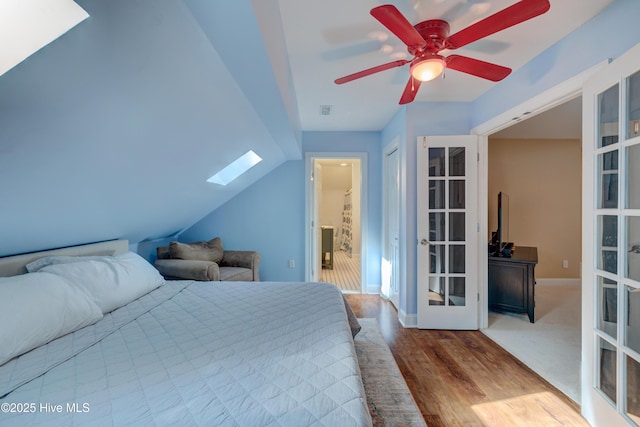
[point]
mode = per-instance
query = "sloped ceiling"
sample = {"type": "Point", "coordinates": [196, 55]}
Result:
{"type": "Point", "coordinates": [112, 130]}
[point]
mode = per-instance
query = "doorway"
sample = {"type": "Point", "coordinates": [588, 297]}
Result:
{"type": "Point", "coordinates": [537, 163]}
{"type": "Point", "coordinates": [335, 206]}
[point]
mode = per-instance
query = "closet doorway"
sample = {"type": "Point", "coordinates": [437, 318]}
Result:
{"type": "Point", "coordinates": [336, 218]}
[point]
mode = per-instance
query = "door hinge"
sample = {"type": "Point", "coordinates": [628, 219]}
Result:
{"type": "Point", "coordinates": [478, 294]}
{"type": "Point", "coordinates": [478, 157]}
{"type": "Point", "coordinates": [478, 227]}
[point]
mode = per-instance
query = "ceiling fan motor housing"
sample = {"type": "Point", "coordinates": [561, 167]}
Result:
{"type": "Point", "coordinates": [434, 32]}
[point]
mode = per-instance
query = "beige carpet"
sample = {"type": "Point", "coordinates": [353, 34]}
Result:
{"type": "Point", "coordinates": [551, 345]}
{"type": "Point", "coordinates": [390, 401]}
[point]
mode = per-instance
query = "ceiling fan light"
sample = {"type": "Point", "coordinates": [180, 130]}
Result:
{"type": "Point", "coordinates": [427, 69]}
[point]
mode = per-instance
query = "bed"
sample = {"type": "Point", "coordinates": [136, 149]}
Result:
{"type": "Point", "coordinates": [144, 351]}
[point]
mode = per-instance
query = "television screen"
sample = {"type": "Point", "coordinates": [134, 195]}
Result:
{"type": "Point", "coordinates": [499, 245]}
{"type": "Point", "coordinates": [503, 220]}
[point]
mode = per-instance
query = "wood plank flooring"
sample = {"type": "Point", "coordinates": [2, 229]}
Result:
{"type": "Point", "coordinates": [345, 273]}
{"type": "Point", "coordinates": [462, 378]}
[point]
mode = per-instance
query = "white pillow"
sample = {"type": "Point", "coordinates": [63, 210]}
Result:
{"type": "Point", "coordinates": [36, 308]}
{"type": "Point", "coordinates": [110, 281]}
{"type": "Point", "coordinates": [38, 264]}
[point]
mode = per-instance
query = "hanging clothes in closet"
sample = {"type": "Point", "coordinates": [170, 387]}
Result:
{"type": "Point", "coordinates": [346, 223]}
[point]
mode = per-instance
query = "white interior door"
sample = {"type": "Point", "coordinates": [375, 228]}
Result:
{"type": "Point", "coordinates": [611, 244]}
{"type": "Point", "coordinates": [447, 232]}
{"type": "Point", "coordinates": [390, 268]}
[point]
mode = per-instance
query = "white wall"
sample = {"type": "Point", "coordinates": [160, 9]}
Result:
{"type": "Point", "coordinates": [582, 49]}
{"type": "Point", "coordinates": [331, 203]}
{"type": "Point", "coordinates": [336, 180]}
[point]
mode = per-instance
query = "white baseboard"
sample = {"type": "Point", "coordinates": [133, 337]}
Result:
{"type": "Point", "coordinates": [407, 320]}
{"type": "Point", "coordinates": [373, 289]}
{"type": "Point", "coordinates": [559, 282]}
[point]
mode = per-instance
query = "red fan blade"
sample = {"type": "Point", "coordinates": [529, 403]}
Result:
{"type": "Point", "coordinates": [395, 22]}
{"type": "Point", "coordinates": [477, 68]}
{"type": "Point", "coordinates": [410, 91]}
{"type": "Point", "coordinates": [515, 14]}
{"type": "Point", "coordinates": [369, 71]}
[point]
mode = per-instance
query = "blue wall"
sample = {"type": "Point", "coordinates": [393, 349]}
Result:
{"type": "Point", "coordinates": [418, 119]}
{"type": "Point", "coordinates": [367, 142]}
{"type": "Point", "coordinates": [269, 215]}
{"type": "Point", "coordinates": [111, 130]}
{"type": "Point", "coordinates": [607, 35]}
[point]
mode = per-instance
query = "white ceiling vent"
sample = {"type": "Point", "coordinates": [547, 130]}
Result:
{"type": "Point", "coordinates": [325, 110]}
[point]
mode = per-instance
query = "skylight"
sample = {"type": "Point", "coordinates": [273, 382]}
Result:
{"type": "Point", "coordinates": [26, 26]}
{"type": "Point", "coordinates": [235, 169]}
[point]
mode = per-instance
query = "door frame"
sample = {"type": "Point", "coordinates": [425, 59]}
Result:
{"type": "Point", "coordinates": [311, 237]}
{"type": "Point", "coordinates": [393, 146]}
{"type": "Point", "coordinates": [463, 317]}
{"type": "Point", "coordinates": [559, 94]}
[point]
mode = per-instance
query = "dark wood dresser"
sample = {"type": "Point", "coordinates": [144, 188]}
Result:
{"type": "Point", "coordinates": [512, 281]}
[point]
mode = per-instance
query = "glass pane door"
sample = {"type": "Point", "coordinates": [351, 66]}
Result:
{"type": "Point", "coordinates": [447, 286]}
{"type": "Point", "coordinates": [616, 266]}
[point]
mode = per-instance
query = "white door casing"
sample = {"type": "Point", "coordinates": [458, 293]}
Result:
{"type": "Point", "coordinates": [312, 236]}
{"type": "Point", "coordinates": [315, 221]}
{"type": "Point", "coordinates": [391, 212]}
{"type": "Point", "coordinates": [447, 241]}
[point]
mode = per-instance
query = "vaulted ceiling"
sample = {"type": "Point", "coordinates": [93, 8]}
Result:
{"type": "Point", "coordinates": [112, 129]}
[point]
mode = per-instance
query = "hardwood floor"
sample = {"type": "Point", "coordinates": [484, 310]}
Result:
{"type": "Point", "coordinates": [462, 378]}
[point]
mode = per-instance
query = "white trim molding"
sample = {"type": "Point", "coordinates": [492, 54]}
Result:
{"type": "Point", "coordinates": [407, 320]}
{"type": "Point", "coordinates": [309, 157]}
{"type": "Point", "coordinates": [559, 94]}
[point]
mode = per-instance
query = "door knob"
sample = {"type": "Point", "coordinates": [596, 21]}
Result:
{"type": "Point", "coordinates": [424, 242]}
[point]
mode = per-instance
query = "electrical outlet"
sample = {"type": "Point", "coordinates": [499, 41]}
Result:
{"type": "Point", "coordinates": [292, 263]}
{"type": "Point", "coordinates": [565, 263]}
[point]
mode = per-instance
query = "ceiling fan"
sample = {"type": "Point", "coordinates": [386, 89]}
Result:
{"type": "Point", "coordinates": [425, 40]}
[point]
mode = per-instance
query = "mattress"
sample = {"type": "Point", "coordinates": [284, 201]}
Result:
{"type": "Point", "coordinates": [198, 353]}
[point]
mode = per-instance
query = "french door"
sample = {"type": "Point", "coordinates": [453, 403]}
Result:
{"type": "Point", "coordinates": [447, 232]}
{"type": "Point", "coordinates": [611, 244]}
